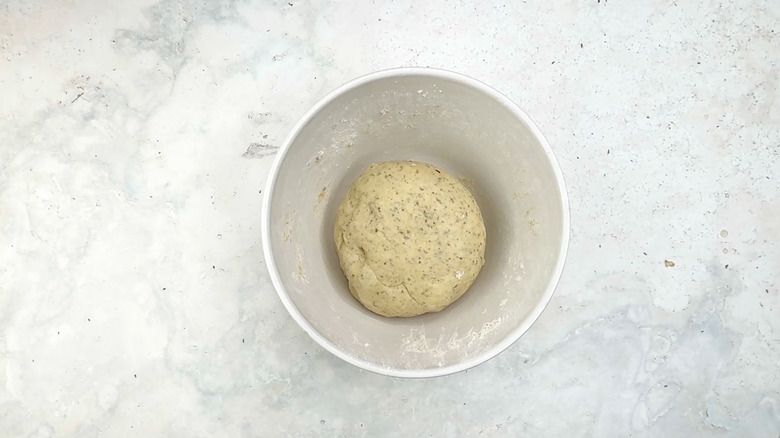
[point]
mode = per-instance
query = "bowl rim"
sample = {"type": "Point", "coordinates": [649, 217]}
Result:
{"type": "Point", "coordinates": [488, 353]}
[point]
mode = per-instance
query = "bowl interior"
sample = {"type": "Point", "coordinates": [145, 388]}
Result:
{"type": "Point", "coordinates": [463, 127]}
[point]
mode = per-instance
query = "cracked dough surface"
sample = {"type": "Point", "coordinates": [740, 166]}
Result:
{"type": "Point", "coordinates": [410, 238]}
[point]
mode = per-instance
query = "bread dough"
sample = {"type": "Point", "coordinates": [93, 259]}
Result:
{"type": "Point", "coordinates": [410, 238]}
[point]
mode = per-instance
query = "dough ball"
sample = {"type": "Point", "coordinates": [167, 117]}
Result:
{"type": "Point", "coordinates": [410, 238]}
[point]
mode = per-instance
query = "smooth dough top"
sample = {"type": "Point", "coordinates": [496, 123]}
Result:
{"type": "Point", "coordinates": [410, 238]}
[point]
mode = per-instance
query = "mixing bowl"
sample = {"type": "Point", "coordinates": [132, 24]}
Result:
{"type": "Point", "coordinates": [460, 125]}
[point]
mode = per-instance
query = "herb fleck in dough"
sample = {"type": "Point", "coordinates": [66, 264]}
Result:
{"type": "Point", "coordinates": [410, 238]}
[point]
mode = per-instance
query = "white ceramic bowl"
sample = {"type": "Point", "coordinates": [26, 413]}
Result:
{"type": "Point", "coordinates": [462, 126]}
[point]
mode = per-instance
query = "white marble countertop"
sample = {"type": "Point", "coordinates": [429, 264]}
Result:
{"type": "Point", "coordinates": [133, 296]}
